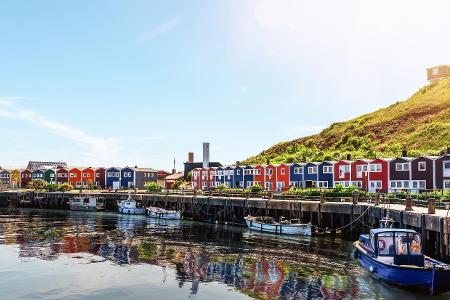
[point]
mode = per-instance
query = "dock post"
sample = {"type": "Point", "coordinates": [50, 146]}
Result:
{"type": "Point", "coordinates": [377, 199]}
{"type": "Point", "coordinates": [441, 238]}
{"type": "Point", "coordinates": [431, 206]}
{"type": "Point", "coordinates": [408, 203]}
{"type": "Point", "coordinates": [355, 198]}
{"type": "Point", "coordinates": [322, 197]}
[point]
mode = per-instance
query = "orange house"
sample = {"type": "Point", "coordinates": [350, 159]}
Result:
{"type": "Point", "coordinates": [88, 176]}
{"type": "Point", "coordinates": [282, 177]}
{"type": "Point", "coordinates": [75, 177]}
{"type": "Point", "coordinates": [270, 178]}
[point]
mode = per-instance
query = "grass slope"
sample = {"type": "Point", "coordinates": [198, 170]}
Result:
{"type": "Point", "coordinates": [421, 124]}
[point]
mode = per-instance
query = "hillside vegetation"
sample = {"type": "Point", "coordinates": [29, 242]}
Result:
{"type": "Point", "coordinates": [421, 124]}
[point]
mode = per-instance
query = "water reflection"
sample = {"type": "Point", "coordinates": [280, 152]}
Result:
{"type": "Point", "coordinates": [261, 266]}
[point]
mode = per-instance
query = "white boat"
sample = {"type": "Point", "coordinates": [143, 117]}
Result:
{"type": "Point", "coordinates": [161, 213]}
{"type": "Point", "coordinates": [86, 204]}
{"type": "Point", "coordinates": [130, 206]}
{"type": "Point", "coordinates": [268, 224]}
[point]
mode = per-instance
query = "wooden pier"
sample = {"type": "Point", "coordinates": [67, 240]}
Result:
{"type": "Point", "coordinates": [328, 215]}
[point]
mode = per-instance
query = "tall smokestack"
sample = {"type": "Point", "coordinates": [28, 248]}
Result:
{"type": "Point", "coordinates": [191, 157]}
{"type": "Point", "coordinates": [205, 155]}
{"type": "Point", "coordinates": [349, 156]}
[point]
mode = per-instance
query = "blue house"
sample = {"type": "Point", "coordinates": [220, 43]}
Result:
{"type": "Point", "coordinates": [220, 178]}
{"type": "Point", "coordinates": [238, 177]}
{"type": "Point", "coordinates": [127, 178]}
{"type": "Point", "coordinates": [38, 174]}
{"type": "Point", "coordinates": [296, 175]}
{"type": "Point", "coordinates": [325, 179]}
{"type": "Point", "coordinates": [248, 176]}
{"type": "Point", "coordinates": [228, 177]}
{"type": "Point", "coordinates": [311, 174]}
{"type": "Point", "coordinates": [113, 178]}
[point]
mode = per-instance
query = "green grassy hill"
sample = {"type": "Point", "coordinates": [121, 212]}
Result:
{"type": "Point", "coordinates": [421, 124]}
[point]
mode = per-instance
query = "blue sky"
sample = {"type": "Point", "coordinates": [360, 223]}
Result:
{"type": "Point", "coordinates": [140, 82]}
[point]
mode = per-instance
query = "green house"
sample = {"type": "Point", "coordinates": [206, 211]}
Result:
{"type": "Point", "coordinates": [50, 176]}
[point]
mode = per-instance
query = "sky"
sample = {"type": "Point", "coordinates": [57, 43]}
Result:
{"type": "Point", "coordinates": [102, 83]}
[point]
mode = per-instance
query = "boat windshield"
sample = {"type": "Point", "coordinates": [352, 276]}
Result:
{"type": "Point", "coordinates": [408, 243]}
{"type": "Point", "coordinates": [386, 244]}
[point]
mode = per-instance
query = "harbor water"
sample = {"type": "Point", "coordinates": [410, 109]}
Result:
{"type": "Point", "coordinates": [47, 254]}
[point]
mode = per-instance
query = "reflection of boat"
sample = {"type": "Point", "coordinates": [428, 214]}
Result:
{"type": "Point", "coordinates": [395, 255]}
{"type": "Point", "coordinates": [86, 203]}
{"type": "Point", "coordinates": [268, 224]}
{"type": "Point", "coordinates": [130, 206]}
{"type": "Point", "coordinates": [161, 213]}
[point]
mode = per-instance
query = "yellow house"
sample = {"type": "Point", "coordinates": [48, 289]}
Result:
{"type": "Point", "coordinates": [14, 181]}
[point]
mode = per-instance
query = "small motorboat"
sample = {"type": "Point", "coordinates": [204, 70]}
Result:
{"type": "Point", "coordinates": [161, 213]}
{"type": "Point", "coordinates": [89, 203]}
{"type": "Point", "coordinates": [130, 206]}
{"type": "Point", "coordinates": [395, 255]}
{"type": "Point", "coordinates": [268, 224]}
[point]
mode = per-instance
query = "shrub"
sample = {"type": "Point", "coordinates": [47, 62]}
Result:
{"type": "Point", "coordinates": [255, 189]}
{"type": "Point", "coordinates": [37, 184]}
{"type": "Point", "coordinates": [153, 187]}
{"type": "Point", "coordinates": [65, 187]}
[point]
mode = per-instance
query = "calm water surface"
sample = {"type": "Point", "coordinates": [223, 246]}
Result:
{"type": "Point", "coordinates": [76, 255]}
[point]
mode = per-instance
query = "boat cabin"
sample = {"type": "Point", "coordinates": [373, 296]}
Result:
{"type": "Point", "coordinates": [394, 246]}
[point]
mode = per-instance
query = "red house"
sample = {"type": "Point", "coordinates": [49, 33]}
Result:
{"type": "Point", "coordinates": [282, 177]}
{"type": "Point", "coordinates": [196, 178]}
{"type": "Point", "coordinates": [62, 175]}
{"type": "Point", "coordinates": [25, 178]}
{"type": "Point", "coordinates": [343, 173]}
{"type": "Point", "coordinates": [75, 177]}
{"type": "Point", "coordinates": [359, 173]}
{"type": "Point", "coordinates": [378, 180]}
{"type": "Point", "coordinates": [88, 176]}
{"type": "Point", "coordinates": [258, 176]}
{"type": "Point", "coordinates": [211, 177]}
{"type": "Point", "coordinates": [100, 178]}
{"type": "Point", "coordinates": [270, 178]}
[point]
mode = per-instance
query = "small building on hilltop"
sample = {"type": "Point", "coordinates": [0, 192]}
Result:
{"type": "Point", "coordinates": [438, 72]}
{"type": "Point", "coordinates": [34, 165]}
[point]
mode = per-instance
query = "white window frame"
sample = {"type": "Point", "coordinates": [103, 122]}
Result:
{"type": "Point", "coordinates": [327, 169]}
{"type": "Point", "coordinates": [312, 170]}
{"type": "Point", "coordinates": [422, 166]}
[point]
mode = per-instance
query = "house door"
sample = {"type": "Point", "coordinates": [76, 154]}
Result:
{"type": "Point", "coordinates": [280, 186]}
{"type": "Point", "coordinates": [116, 185]}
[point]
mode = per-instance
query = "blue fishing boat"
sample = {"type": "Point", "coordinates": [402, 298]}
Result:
{"type": "Point", "coordinates": [395, 255]}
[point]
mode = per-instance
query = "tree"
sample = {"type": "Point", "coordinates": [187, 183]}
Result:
{"type": "Point", "coordinates": [37, 184]}
{"type": "Point", "coordinates": [152, 187]}
{"type": "Point", "coordinates": [255, 188]}
{"type": "Point", "coordinates": [53, 187]}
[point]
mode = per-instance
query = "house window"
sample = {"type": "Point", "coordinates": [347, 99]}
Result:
{"type": "Point", "coordinates": [406, 184]}
{"type": "Point", "coordinates": [446, 171]}
{"type": "Point", "coordinates": [402, 167]}
{"type": "Point", "coordinates": [247, 172]}
{"type": "Point", "coordinates": [435, 71]}
{"type": "Point", "coordinates": [422, 166]}
{"type": "Point", "coordinates": [312, 170]}
{"type": "Point", "coordinates": [327, 169]}
{"type": "Point", "coordinates": [283, 171]}
{"type": "Point", "coordinates": [298, 170]}
{"type": "Point", "coordinates": [323, 184]}
{"type": "Point", "coordinates": [375, 168]}
{"type": "Point", "coordinates": [446, 184]}
{"type": "Point", "coordinates": [238, 172]}
{"type": "Point", "coordinates": [269, 171]}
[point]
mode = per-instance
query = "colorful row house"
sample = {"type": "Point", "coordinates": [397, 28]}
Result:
{"type": "Point", "coordinates": [376, 175]}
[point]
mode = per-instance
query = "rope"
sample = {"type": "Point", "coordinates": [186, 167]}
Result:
{"type": "Point", "coordinates": [325, 230]}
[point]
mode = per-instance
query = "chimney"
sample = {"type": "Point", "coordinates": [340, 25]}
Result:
{"type": "Point", "coordinates": [205, 155]}
{"type": "Point", "coordinates": [448, 150]}
{"type": "Point", "coordinates": [404, 152]}
{"type": "Point", "coordinates": [238, 163]}
{"type": "Point", "coordinates": [349, 156]}
{"type": "Point", "coordinates": [191, 157]}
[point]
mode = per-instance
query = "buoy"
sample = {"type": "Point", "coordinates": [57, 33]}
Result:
{"type": "Point", "coordinates": [372, 269]}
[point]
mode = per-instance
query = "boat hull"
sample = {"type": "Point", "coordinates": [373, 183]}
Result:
{"type": "Point", "coordinates": [165, 215]}
{"type": "Point", "coordinates": [82, 208]}
{"type": "Point", "coordinates": [131, 211]}
{"type": "Point", "coordinates": [297, 229]}
{"type": "Point", "coordinates": [406, 276]}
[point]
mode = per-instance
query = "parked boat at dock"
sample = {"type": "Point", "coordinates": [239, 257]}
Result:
{"type": "Point", "coordinates": [130, 206]}
{"type": "Point", "coordinates": [395, 255]}
{"type": "Point", "coordinates": [88, 203]}
{"type": "Point", "coordinates": [268, 224]}
{"type": "Point", "coordinates": [161, 213]}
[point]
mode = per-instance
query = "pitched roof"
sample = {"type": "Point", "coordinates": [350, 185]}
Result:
{"type": "Point", "coordinates": [33, 165]}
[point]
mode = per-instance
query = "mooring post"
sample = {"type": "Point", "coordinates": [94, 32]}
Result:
{"type": "Point", "coordinates": [431, 206]}
{"type": "Point", "coordinates": [408, 203]}
{"type": "Point", "coordinates": [377, 199]}
{"type": "Point", "coordinates": [322, 197]}
{"type": "Point", "coordinates": [441, 237]}
{"type": "Point", "coordinates": [355, 198]}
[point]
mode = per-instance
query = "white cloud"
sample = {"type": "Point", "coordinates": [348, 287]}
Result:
{"type": "Point", "coordinates": [159, 30]}
{"type": "Point", "coordinates": [95, 148]}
